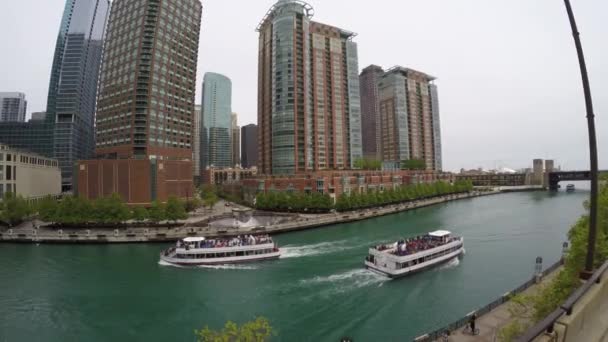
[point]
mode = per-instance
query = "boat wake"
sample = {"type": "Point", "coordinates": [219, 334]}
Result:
{"type": "Point", "coordinates": [348, 280]}
{"type": "Point", "coordinates": [214, 267]}
{"type": "Point", "coordinates": [450, 264]}
{"type": "Point", "coordinates": [229, 267]}
{"type": "Point", "coordinates": [316, 249]}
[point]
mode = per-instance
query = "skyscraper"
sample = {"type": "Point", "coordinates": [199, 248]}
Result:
{"type": "Point", "coordinates": [409, 117]}
{"type": "Point", "coordinates": [370, 113]}
{"type": "Point", "coordinates": [196, 147]}
{"type": "Point", "coordinates": [235, 140]}
{"type": "Point", "coordinates": [216, 128]}
{"type": "Point", "coordinates": [13, 107]}
{"type": "Point", "coordinates": [145, 110]}
{"type": "Point", "coordinates": [66, 132]}
{"type": "Point", "coordinates": [73, 84]}
{"type": "Point", "coordinates": [249, 146]}
{"type": "Point", "coordinates": [309, 110]}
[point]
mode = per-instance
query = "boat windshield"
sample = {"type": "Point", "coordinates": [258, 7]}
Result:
{"type": "Point", "coordinates": [241, 240]}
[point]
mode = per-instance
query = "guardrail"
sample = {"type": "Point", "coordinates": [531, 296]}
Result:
{"type": "Point", "coordinates": [565, 309]}
{"type": "Point", "coordinates": [439, 333]}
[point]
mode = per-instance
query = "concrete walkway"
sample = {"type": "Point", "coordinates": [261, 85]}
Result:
{"type": "Point", "coordinates": [490, 324]}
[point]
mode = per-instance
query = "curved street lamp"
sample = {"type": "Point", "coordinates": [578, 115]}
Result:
{"type": "Point", "coordinates": [592, 146]}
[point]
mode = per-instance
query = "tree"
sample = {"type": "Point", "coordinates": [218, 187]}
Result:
{"type": "Point", "coordinates": [258, 330]}
{"type": "Point", "coordinates": [47, 209]}
{"type": "Point", "coordinates": [156, 212]}
{"type": "Point", "coordinates": [111, 209]}
{"type": "Point", "coordinates": [139, 214]}
{"type": "Point", "coordinates": [175, 210]}
{"type": "Point", "coordinates": [14, 209]}
{"type": "Point", "coordinates": [413, 164]}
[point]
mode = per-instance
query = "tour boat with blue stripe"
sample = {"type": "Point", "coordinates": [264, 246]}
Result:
{"type": "Point", "coordinates": [408, 256]}
{"type": "Point", "coordinates": [197, 251]}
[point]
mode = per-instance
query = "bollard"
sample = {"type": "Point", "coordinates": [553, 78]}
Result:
{"type": "Point", "coordinates": [565, 248]}
{"type": "Point", "coordinates": [538, 270]}
{"type": "Point", "coordinates": [115, 232]}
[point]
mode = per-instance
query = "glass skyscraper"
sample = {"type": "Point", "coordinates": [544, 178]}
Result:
{"type": "Point", "coordinates": [216, 127]}
{"type": "Point", "coordinates": [73, 85]}
{"type": "Point", "coordinates": [67, 132]}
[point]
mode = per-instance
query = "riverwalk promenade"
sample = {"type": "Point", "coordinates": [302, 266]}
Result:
{"type": "Point", "coordinates": [198, 225]}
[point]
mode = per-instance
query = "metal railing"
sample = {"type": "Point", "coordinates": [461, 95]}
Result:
{"type": "Point", "coordinates": [565, 309]}
{"type": "Point", "coordinates": [439, 333]}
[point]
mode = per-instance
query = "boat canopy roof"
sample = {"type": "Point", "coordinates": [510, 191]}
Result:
{"type": "Point", "coordinates": [440, 233]}
{"type": "Point", "coordinates": [194, 239]}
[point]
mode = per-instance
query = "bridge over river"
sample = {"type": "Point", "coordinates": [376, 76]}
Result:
{"type": "Point", "coordinates": [555, 177]}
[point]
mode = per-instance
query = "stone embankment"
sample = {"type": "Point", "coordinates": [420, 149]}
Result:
{"type": "Point", "coordinates": [30, 233]}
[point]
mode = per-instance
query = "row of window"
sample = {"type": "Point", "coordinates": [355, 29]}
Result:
{"type": "Point", "coordinates": [24, 159]}
{"type": "Point", "coordinates": [426, 258]}
{"type": "Point", "coordinates": [224, 255]}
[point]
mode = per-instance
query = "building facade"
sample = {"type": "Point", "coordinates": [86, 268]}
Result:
{"type": "Point", "coordinates": [336, 183]}
{"type": "Point", "coordinates": [13, 107]}
{"type": "Point", "coordinates": [38, 116]}
{"type": "Point", "coordinates": [370, 111]}
{"type": "Point", "coordinates": [216, 130]}
{"type": "Point", "coordinates": [224, 176]}
{"type": "Point", "coordinates": [235, 141]}
{"type": "Point", "coordinates": [249, 146]}
{"type": "Point", "coordinates": [409, 117]}
{"type": "Point", "coordinates": [196, 146]}
{"type": "Point", "coordinates": [309, 110]}
{"type": "Point", "coordinates": [145, 112]}
{"type": "Point", "coordinates": [28, 174]}
{"type": "Point", "coordinates": [73, 86]}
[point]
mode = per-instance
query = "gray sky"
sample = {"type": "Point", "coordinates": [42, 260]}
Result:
{"type": "Point", "coordinates": [509, 83]}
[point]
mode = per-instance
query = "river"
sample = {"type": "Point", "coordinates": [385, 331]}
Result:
{"type": "Point", "coordinates": [318, 290]}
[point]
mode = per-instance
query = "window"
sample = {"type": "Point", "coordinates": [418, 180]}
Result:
{"type": "Point", "coordinates": [8, 172]}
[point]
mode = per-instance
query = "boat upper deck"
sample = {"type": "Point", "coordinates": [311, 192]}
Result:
{"type": "Point", "coordinates": [411, 246]}
{"type": "Point", "coordinates": [239, 241]}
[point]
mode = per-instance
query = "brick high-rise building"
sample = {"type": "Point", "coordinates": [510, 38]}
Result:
{"type": "Point", "coordinates": [370, 111]}
{"type": "Point", "coordinates": [309, 111]}
{"type": "Point", "coordinates": [249, 146]}
{"type": "Point", "coordinates": [145, 110]}
{"type": "Point", "coordinates": [409, 116]}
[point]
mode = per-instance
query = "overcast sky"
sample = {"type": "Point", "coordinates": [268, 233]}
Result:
{"type": "Point", "coordinates": [508, 78]}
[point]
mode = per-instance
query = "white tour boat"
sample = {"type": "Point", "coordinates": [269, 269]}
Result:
{"type": "Point", "coordinates": [408, 256]}
{"type": "Point", "coordinates": [193, 251]}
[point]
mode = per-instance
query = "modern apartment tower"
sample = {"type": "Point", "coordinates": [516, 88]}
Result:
{"type": "Point", "coordinates": [309, 111]}
{"type": "Point", "coordinates": [235, 141]}
{"type": "Point", "coordinates": [249, 146]}
{"type": "Point", "coordinates": [216, 130]}
{"type": "Point", "coordinates": [13, 107]}
{"type": "Point", "coordinates": [145, 112]}
{"type": "Point", "coordinates": [370, 111]}
{"type": "Point", "coordinates": [409, 117]}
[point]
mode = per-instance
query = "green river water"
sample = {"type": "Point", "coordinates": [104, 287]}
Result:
{"type": "Point", "coordinates": [317, 291]}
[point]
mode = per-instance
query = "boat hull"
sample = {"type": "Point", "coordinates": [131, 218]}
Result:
{"type": "Point", "coordinates": [423, 267]}
{"type": "Point", "coordinates": [227, 261]}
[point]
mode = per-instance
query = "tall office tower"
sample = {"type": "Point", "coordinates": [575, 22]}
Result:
{"type": "Point", "coordinates": [235, 141]}
{"type": "Point", "coordinates": [370, 113]}
{"type": "Point", "coordinates": [409, 116]}
{"type": "Point", "coordinates": [216, 127]}
{"type": "Point", "coordinates": [145, 109]}
{"type": "Point", "coordinates": [309, 110]}
{"type": "Point", "coordinates": [249, 146]}
{"type": "Point", "coordinates": [12, 107]}
{"type": "Point", "coordinates": [73, 85]}
{"type": "Point", "coordinates": [196, 146]}
{"type": "Point", "coordinates": [66, 132]}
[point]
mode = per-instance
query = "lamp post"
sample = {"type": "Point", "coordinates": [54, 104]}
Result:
{"type": "Point", "coordinates": [592, 145]}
